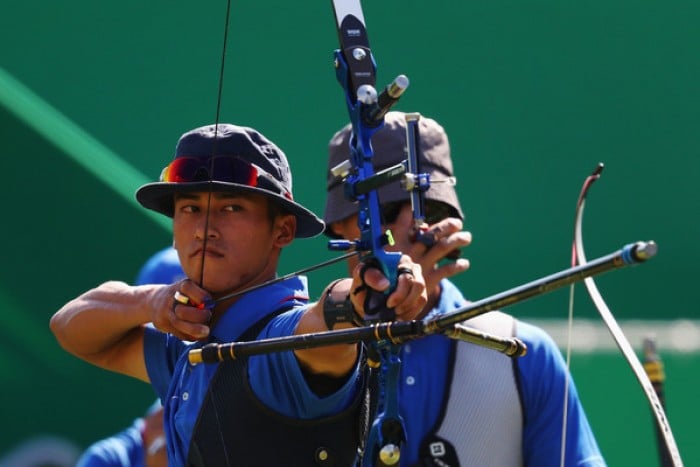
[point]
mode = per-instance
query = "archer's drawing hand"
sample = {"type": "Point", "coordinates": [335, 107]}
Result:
{"type": "Point", "coordinates": [180, 309]}
{"type": "Point", "coordinates": [448, 239]}
{"type": "Point", "coordinates": [408, 298]}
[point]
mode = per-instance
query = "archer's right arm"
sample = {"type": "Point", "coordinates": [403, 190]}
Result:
{"type": "Point", "coordinates": [105, 325]}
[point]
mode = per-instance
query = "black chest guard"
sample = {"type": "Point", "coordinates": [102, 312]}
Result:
{"type": "Point", "coordinates": [234, 428]}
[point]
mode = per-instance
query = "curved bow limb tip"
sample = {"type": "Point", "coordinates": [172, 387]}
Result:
{"type": "Point", "coordinates": [641, 252]}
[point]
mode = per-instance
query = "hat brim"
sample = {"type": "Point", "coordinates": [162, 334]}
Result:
{"type": "Point", "coordinates": [159, 197]}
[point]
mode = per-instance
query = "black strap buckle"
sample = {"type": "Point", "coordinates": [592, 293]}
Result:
{"type": "Point", "coordinates": [335, 312]}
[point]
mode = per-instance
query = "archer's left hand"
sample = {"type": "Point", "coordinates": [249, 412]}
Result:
{"type": "Point", "coordinates": [448, 237]}
{"type": "Point", "coordinates": [407, 299]}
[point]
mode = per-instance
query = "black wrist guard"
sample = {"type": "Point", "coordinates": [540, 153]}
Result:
{"type": "Point", "coordinates": [339, 312]}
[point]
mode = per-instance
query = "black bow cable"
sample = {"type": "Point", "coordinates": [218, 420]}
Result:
{"type": "Point", "coordinates": [217, 118]}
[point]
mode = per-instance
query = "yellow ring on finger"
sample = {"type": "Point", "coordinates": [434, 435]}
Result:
{"type": "Point", "coordinates": [181, 298]}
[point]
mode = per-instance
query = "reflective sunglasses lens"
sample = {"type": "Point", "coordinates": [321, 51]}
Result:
{"type": "Point", "coordinates": [186, 169]}
{"type": "Point", "coordinates": [234, 170]}
{"type": "Point", "coordinates": [223, 169]}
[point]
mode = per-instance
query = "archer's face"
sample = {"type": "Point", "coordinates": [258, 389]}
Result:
{"type": "Point", "coordinates": [243, 244]}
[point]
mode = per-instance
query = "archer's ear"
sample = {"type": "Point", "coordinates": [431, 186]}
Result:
{"type": "Point", "coordinates": [285, 229]}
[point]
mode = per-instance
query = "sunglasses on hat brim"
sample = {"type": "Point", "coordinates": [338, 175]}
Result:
{"type": "Point", "coordinates": [227, 169]}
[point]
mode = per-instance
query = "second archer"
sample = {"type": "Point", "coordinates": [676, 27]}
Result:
{"type": "Point", "coordinates": [462, 404]}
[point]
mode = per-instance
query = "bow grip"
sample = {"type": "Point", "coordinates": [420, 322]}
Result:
{"type": "Point", "coordinates": [375, 307]}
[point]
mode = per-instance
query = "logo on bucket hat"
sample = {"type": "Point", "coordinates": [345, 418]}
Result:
{"type": "Point", "coordinates": [228, 157]}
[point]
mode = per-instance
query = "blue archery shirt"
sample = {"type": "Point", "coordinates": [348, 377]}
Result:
{"type": "Point", "coordinates": [276, 378]}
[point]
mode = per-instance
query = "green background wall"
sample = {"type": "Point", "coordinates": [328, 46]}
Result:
{"type": "Point", "coordinates": [533, 94]}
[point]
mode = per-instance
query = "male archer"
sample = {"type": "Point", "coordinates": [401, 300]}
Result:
{"type": "Point", "coordinates": [229, 193]}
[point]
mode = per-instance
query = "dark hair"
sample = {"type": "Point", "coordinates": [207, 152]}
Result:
{"type": "Point", "coordinates": [274, 210]}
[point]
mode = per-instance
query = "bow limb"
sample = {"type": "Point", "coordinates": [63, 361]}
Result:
{"type": "Point", "coordinates": [617, 334]}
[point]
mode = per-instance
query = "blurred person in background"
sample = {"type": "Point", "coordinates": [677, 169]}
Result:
{"type": "Point", "coordinates": [140, 445]}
